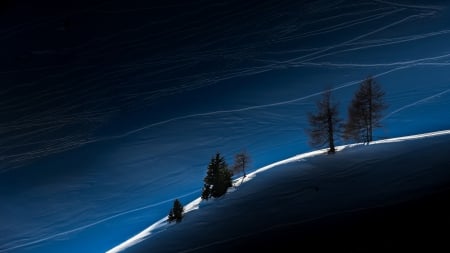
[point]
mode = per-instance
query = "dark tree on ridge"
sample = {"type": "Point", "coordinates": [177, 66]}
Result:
{"type": "Point", "coordinates": [176, 213]}
{"type": "Point", "coordinates": [218, 178]}
{"type": "Point", "coordinates": [365, 111]}
{"type": "Point", "coordinates": [324, 123]}
{"type": "Point", "coordinates": [241, 162]}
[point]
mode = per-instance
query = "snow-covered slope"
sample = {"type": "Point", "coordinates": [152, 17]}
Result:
{"type": "Point", "coordinates": [306, 188]}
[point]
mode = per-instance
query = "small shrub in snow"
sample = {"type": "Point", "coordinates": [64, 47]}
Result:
{"type": "Point", "coordinates": [176, 213]}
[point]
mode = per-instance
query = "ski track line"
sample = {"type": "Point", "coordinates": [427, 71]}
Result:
{"type": "Point", "coordinates": [347, 84]}
{"type": "Point", "coordinates": [412, 6]}
{"type": "Point", "coordinates": [96, 223]}
{"type": "Point", "coordinates": [416, 103]}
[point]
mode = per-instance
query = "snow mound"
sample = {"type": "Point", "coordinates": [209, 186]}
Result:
{"type": "Point", "coordinates": [306, 187]}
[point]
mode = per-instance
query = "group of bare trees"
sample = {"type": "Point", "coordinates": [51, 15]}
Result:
{"type": "Point", "coordinates": [364, 114]}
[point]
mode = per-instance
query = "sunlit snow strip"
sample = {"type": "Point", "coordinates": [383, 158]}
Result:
{"type": "Point", "coordinates": [81, 228]}
{"type": "Point", "coordinates": [412, 137]}
{"type": "Point", "coordinates": [161, 224]}
{"type": "Point", "coordinates": [193, 205]}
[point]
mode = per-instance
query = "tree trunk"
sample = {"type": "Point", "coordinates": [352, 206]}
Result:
{"type": "Point", "coordinates": [370, 112]}
{"type": "Point", "coordinates": [330, 132]}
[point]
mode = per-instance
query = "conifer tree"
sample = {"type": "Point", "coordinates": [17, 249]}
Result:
{"type": "Point", "coordinates": [217, 179]}
{"type": "Point", "coordinates": [176, 212]}
{"type": "Point", "coordinates": [324, 124]}
{"type": "Point", "coordinates": [206, 191]}
{"type": "Point", "coordinates": [365, 111]}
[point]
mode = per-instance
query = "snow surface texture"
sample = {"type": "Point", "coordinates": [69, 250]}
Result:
{"type": "Point", "coordinates": [303, 188]}
{"type": "Point", "coordinates": [104, 124]}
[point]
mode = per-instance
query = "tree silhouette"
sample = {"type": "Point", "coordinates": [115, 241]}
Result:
{"type": "Point", "coordinates": [241, 162]}
{"type": "Point", "coordinates": [176, 213]}
{"type": "Point", "coordinates": [365, 111]}
{"type": "Point", "coordinates": [324, 124]}
{"type": "Point", "coordinates": [217, 179]}
{"type": "Point", "coordinates": [206, 192]}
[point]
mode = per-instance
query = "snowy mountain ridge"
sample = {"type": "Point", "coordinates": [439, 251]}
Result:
{"type": "Point", "coordinates": [317, 181]}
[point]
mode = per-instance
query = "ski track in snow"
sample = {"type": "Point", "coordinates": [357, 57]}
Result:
{"type": "Point", "coordinates": [341, 86]}
{"type": "Point", "coordinates": [31, 132]}
{"type": "Point", "coordinates": [97, 222]}
{"type": "Point", "coordinates": [145, 234]}
{"type": "Point", "coordinates": [416, 103]}
{"type": "Point", "coordinates": [412, 6]}
{"type": "Point", "coordinates": [44, 123]}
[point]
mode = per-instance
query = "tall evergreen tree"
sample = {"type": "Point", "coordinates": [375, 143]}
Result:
{"type": "Point", "coordinates": [217, 179]}
{"type": "Point", "coordinates": [176, 213]}
{"type": "Point", "coordinates": [324, 124]}
{"type": "Point", "coordinates": [365, 111]}
{"type": "Point", "coordinates": [241, 162]}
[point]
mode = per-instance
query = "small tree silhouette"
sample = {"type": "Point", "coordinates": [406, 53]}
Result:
{"type": "Point", "coordinates": [241, 162]}
{"type": "Point", "coordinates": [176, 212]}
{"type": "Point", "coordinates": [324, 123]}
{"type": "Point", "coordinates": [218, 178]}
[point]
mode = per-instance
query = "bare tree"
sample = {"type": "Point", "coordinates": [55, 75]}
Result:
{"type": "Point", "coordinates": [324, 124]}
{"type": "Point", "coordinates": [365, 111]}
{"type": "Point", "coordinates": [241, 162]}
